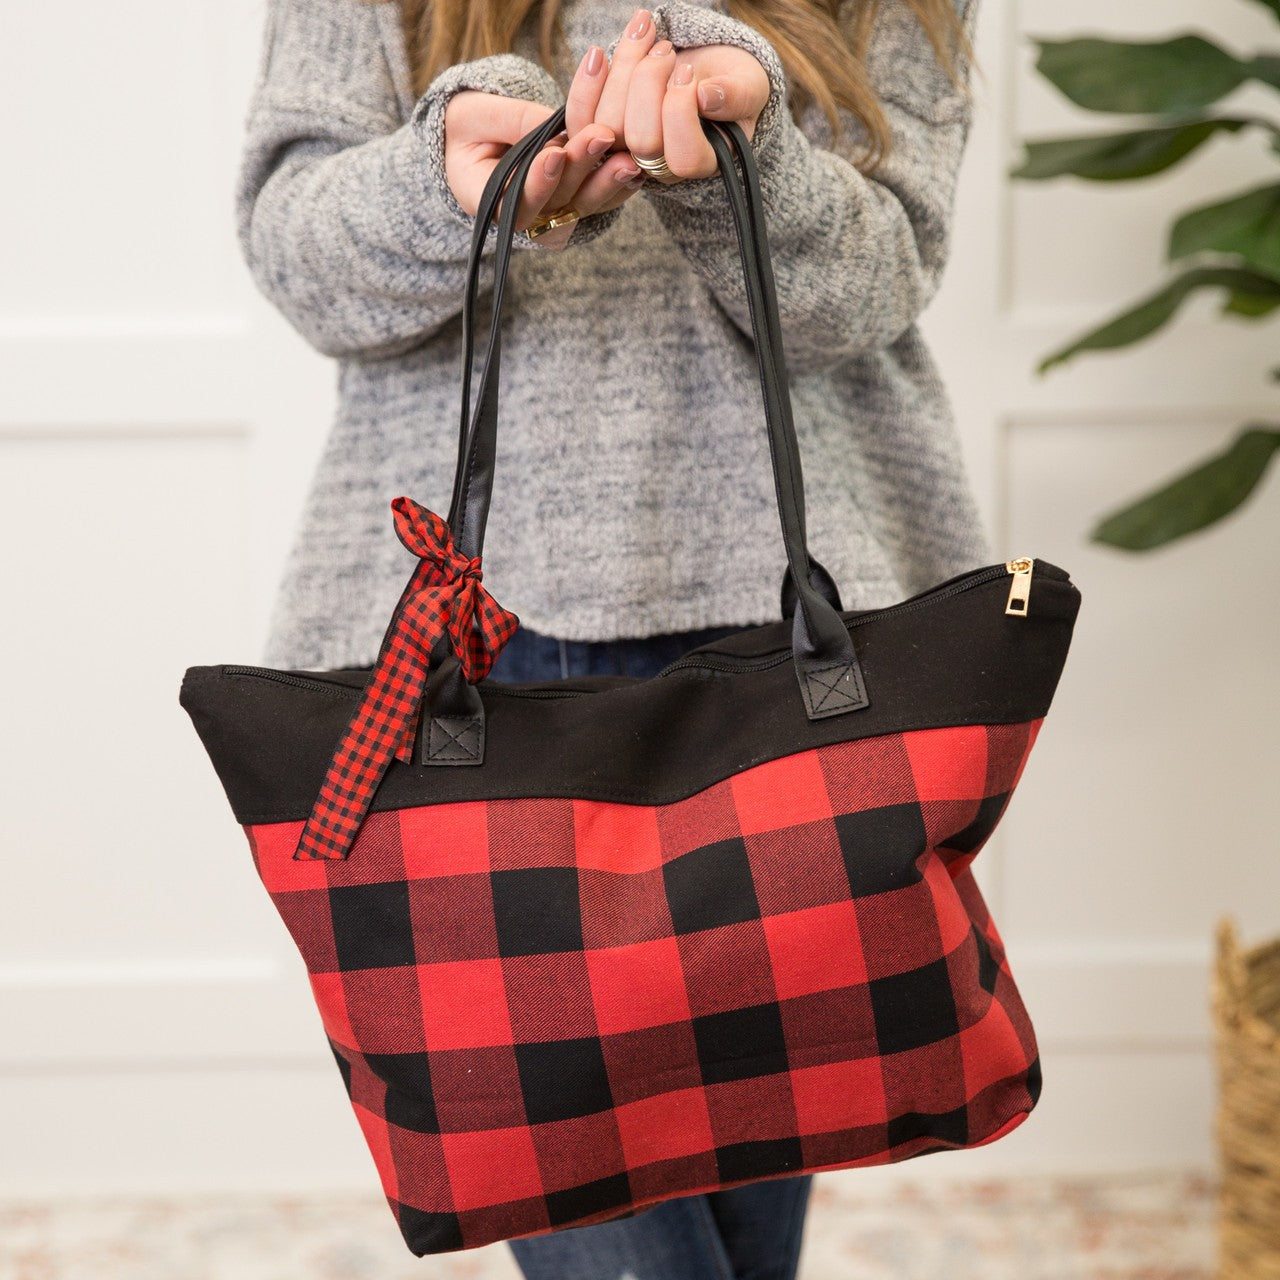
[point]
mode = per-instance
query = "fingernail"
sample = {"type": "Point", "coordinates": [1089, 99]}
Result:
{"type": "Point", "coordinates": [552, 165]}
{"type": "Point", "coordinates": [636, 183]}
{"type": "Point", "coordinates": [710, 97]}
{"type": "Point", "coordinates": [638, 25]}
{"type": "Point", "coordinates": [683, 73]}
{"type": "Point", "coordinates": [661, 49]}
{"type": "Point", "coordinates": [627, 172]}
{"type": "Point", "coordinates": [598, 146]}
{"type": "Point", "coordinates": [594, 60]}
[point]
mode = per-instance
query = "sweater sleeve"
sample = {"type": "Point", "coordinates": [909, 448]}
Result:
{"type": "Point", "coordinates": [857, 258]}
{"type": "Point", "coordinates": [344, 213]}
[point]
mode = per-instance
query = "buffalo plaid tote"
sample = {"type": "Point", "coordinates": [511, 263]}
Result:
{"type": "Point", "coordinates": [580, 946]}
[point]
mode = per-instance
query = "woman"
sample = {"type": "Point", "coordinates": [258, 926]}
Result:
{"type": "Point", "coordinates": [634, 514]}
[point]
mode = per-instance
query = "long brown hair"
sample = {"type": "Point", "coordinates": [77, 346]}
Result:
{"type": "Point", "coordinates": [823, 51]}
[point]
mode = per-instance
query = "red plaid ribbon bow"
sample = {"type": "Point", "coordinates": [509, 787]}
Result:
{"type": "Point", "coordinates": [444, 594]}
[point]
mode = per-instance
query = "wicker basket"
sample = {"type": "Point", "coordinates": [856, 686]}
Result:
{"type": "Point", "coordinates": [1246, 1015]}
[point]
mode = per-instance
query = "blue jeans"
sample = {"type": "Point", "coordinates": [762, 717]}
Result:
{"type": "Point", "coordinates": [751, 1232]}
{"type": "Point", "coordinates": [530, 655]}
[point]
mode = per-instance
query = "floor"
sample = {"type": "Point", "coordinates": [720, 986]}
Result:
{"type": "Point", "coordinates": [1135, 1227]}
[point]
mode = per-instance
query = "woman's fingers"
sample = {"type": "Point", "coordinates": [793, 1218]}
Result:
{"type": "Point", "coordinates": [689, 154]}
{"type": "Point", "coordinates": [662, 116]}
{"type": "Point", "coordinates": [610, 185]}
{"type": "Point", "coordinates": [607, 184]}
{"type": "Point", "coordinates": [735, 98]}
{"type": "Point", "coordinates": [473, 117]}
{"type": "Point", "coordinates": [584, 93]}
{"type": "Point", "coordinates": [577, 159]}
{"type": "Point", "coordinates": [577, 178]}
{"type": "Point", "coordinates": [630, 51]}
{"type": "Point", "coordinates": [576, 170]}
{"type": "Point", "coordinates": [581, 169]}
{"type": "Point", "coordinates": [478, 129]}
{"type": "Point", "coordinates": [642, 124]}
{"type": "Point", "coordinates": [539, 188]}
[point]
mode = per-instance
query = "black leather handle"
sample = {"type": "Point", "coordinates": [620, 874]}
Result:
{"type": "Point", "coordinates": [826, 665]}
{"type": "Point", "coordinates": [819, 577]}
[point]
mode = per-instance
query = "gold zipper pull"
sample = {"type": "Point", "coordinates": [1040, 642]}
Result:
{"type": "Point", "coordinates": [1020, 587]}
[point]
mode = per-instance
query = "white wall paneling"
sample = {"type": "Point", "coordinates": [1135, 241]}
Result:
{"type": "Point", "coordinates": [158, 422]}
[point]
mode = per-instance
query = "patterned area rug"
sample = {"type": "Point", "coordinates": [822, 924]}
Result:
{"type": "Point", "coordinates": [1139, 1227]}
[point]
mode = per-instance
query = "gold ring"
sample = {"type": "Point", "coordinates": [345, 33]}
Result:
{"type": "Point", "coordinates": [656, 165]}
{"type": "Point", "coordinates": [549, 221]}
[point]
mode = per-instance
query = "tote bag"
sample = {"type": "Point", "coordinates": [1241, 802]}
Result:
{"type": "Point", "coordinates": [579, 946]}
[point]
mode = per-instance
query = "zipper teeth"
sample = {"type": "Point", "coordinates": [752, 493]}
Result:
{"type": "Point", "coordinates": [351, 691]}
{"type": "Point", "coordinates": [727, 662]}
{"type": "Point", "coordinates": [507, 692]}
{"type": "Point", "coordinates": [943, 593]}
{"type": "Point", "coordinates": [713, 662]}
{"type": "Point", "coordinates": [907, 606]}
{"type": "Point", "coordinates": [283, 677]}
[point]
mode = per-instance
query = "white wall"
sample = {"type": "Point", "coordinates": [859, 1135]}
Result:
{"type": "Point", "coordinates": [1144, 813]}
{"type": "Point", "coordinates": [157, 427]}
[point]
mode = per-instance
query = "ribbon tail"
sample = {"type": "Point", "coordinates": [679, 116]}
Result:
{"type": "Point", "coordinates": [381, 729]}
{"type": "Point", "coordinates": [404, 749]}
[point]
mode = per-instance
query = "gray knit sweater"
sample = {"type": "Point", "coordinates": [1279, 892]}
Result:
{"type": "Point", "coordinates": [634, 493]}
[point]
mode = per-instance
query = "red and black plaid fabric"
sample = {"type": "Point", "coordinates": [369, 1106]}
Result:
{"type": "Point", "coordinates": [444, 594]}
{"type": "Point", "coordinates": [548, 1012]}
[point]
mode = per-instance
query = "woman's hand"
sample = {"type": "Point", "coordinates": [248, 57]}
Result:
{"type": "Point", "coordinates": [576, 169]}
{"type": "Point", "coordinates": [646, 101]}
{"type": "Point", "coordinates": [652, 97]}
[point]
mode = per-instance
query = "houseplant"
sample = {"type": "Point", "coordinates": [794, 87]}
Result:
{"type": "Point", "coordinates": [1231, 244]}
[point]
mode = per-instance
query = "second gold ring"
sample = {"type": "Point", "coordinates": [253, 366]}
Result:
{"type": "Point", "coordinates": [545, 222]}
{"type": "Point", "coordinates": [655, 165]}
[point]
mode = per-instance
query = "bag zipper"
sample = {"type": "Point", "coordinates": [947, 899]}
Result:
{"type": "Point", "coordinates": [1020, 587]}
{"type": "Point", "coordinates": [283, 677]}
{"type": "Point", "coordinates": [352, 691]}
{"type": "Point", "coordinates": [1019, 593]}
{"type": "Point", "coordinates": [1016, 606]}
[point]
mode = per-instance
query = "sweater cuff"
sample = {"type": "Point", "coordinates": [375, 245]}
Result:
{"type": "Point", "coordinates": [688, 26]}
{"type": "Point", "coordinates": [511, 76]}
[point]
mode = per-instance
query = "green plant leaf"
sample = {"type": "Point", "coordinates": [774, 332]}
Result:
{"type": "Point", "coordinates": [1110, 157]}
{"type": "Point", "coordinates": [1266, 68]}
{"type": "Point", "coordinates": [1196, 498]}
{"type": "Point", "coordinates": [1186, 73]}
{"type": "Point", "coordinates": [1249, 293]}
{"type": "Point", "coordinates": [1247, 224]}
{"type": "Point", "coordinates": [1250, 305]}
